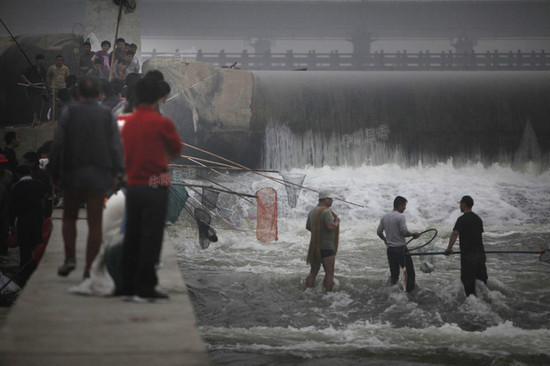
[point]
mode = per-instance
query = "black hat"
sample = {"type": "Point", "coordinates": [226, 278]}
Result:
{"type": "Point", "coordinates": [468, 201]}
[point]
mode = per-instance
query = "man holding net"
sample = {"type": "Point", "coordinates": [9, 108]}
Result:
{"type": "Point", "coordinates": [324, 226]}
{"type": "Point", "coordinates": [394, 226]}
{"type": "Point", "coordinates": [468, 229]}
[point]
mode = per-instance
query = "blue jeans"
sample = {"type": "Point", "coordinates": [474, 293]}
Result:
{"type": "Point", "coordinates": [397, 258]}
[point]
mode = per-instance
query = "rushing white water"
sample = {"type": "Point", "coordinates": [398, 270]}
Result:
{"type": "Point", "coordinates": [253, 308]}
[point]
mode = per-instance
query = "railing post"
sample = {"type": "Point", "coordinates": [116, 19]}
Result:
{"type": "Point", "coordinates": [311, 60]}
{"type": "Point", "coordinates": [244, 58]}
{"type": "Point", "coordinates": [289, 60]}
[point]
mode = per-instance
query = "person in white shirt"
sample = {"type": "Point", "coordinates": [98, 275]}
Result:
{"type": "Point", "coordinates": [394, 226]}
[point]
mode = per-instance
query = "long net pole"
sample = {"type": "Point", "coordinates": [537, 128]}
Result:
{"type": "Point", "coordinates": [112, 72]}
{"type": "Point", "coordinates": [280, 181]}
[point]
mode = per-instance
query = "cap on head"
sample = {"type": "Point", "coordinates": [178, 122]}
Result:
{"type": "Point", "coordinates": [468, 201]}
{"type": "Point", "coordinates": [324, 194]}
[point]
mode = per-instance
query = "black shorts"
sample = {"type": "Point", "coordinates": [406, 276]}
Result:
{"type": "Point", "coordinates": [327, 253]}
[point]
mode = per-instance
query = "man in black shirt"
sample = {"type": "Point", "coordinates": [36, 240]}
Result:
{"type": "Point", "coordinates": [468, 229]}
{"type": "Point", "coordinates": [12, 142]}
{"type": "Point", "coordinates": [26, 208]}
{"type": "Point", "coordinates": [35, 78]}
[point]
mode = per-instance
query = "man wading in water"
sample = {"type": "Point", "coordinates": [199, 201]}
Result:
{"type": "Point", "coordinates": [395, 227]}
{"type": "Point", "coordinates": [324, 226]}
{"type": "Point", "coordinates": [468, 230]}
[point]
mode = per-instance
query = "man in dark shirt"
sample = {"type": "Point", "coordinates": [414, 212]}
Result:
{"type": "Point", "coordinates": [12, 142]}
{"type": "Point", "coordinates": [35, 78]}
{"type": "Point", "coordinates": [6, 180]}
{"type": "Point", "coordinates": [26, 208]}
{"type": "Point", "coordinates": [468, 229]}
{"type": "Point", "coordinates": [85, 62]}
{"type": "Point", "coordinates": [85, 160]}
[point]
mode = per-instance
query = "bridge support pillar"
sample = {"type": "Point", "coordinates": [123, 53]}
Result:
{"type": "Point", "coordinates": [361, 42]}
{"type": "Point", "coordinates": [464, 44]}
{"type": "Point", "coordinates": [262, 46]}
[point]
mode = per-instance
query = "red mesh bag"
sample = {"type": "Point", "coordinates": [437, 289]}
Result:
{"type": "Point", "coordinates": [266, 226]}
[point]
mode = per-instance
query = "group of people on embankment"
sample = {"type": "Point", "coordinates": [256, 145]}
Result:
{"type": "Point", "coordinates": [93, 154]}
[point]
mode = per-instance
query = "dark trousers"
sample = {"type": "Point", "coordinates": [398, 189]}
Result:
{"type": "Point", "coordinates": [29, 235]}
{"type": "Point", "coordinates": [145, 219]}
{"type": "Point", "coordinates": [4, 231]}
{"type": "Point", "coordinates": [472, 268]}
{"type": "Point", "coordinates": [398, 259]}
{"type": "Point", "coordinates": [37, 102]}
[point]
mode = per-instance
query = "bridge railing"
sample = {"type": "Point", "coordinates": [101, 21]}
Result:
{"type": "Point", "coordinates": [370, 61]}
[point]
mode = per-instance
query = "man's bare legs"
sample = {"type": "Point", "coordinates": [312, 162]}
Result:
{"type": "Point", "coordinates": [310, 280]}
{"type": "Point", "coordinates": [71, 206]}
{"type": "Point", "coordinates": [72, 200]}
{"type": "Point", "coordinates": [328, 266]}
{"type": "Point", "coordinates": [94, 205]}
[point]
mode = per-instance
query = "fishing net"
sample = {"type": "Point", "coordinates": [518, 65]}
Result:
{"type": "Point", "coordinates": [177, 196]}
{"type": "Point", "coordinates": [425, 238]}
{"type": "Point", "coordinates": [209, 198]}
{"type": "Point", "coordinates": [207, 234]}
{"type": "Point", "coordinates": [266, 226]}
{"type": "Point", "coordinates": [426, 245]}
{"type": "Point", "coordinates": [293, 184]}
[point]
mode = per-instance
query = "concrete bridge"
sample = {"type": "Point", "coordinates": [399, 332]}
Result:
{"type": "Point", "coordinates": [379, 61]}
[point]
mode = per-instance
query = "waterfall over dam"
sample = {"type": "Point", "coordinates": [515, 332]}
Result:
{"type": "Point", "coordinates": [280, 120]}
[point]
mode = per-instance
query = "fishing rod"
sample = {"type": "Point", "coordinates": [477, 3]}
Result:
{"type": "Point", "coordinates": [35, 85]}
{"type": "Point", "coordinates": [229, 167]}
{"type": "Point", "coordinates": [208, 211]}
{"type": "Point", "coordinates": [20, 48]}
{"type": "Point", "coordinates": [544, 254]}
{"type": "Point", "coordinates": [216, 183]}
{"type": "Point", "coordinates": [214, 189]}
{"type": "Point", "coordinates": [111, 71]}
{"type": "Point", "coordinates": [280, 181]}
{"type": "Point", "coordinates": [223, 165]}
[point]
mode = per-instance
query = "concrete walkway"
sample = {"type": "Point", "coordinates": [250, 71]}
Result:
{"type": "Point", "coordinates": [50, 327]}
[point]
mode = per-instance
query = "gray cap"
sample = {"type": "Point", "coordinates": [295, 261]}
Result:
{"type": "Point", "coordinates": [324, 194]}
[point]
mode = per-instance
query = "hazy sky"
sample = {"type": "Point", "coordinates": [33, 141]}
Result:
{"type": "Point", "coordinates": [35, 17]}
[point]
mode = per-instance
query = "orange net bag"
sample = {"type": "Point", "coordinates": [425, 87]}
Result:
{"type": "Point", "coordinates": [266, 225]}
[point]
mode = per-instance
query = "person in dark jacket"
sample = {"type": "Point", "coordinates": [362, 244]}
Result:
{"type": "Point", "coordinates": [26, 208]}
{"type": "Point", "coordinates": [85, 160]}
{"type": "Point", "coordinates": [32, 159]}
{"type": "Point", "coordinates": [12, 142]}
{"type": "Point", "coordinates": [6, 180]}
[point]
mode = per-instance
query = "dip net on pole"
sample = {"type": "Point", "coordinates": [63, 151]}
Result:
{"type": "Point", "coordinates": [293, 185]}
{"type": "Point", "coordinates": [209, 198]}
{"type": "Point", "coordinates": [177, 196]}
{"type": "Point", "coordinates": [425, 244]}
{"type": "Point", "coordinates": [207, 234]}
{"type": "Point", "coordinates": [266, 225]}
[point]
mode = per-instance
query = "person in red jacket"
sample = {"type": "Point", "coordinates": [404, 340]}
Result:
{"type": "Point", "coordinates": [149, 140]}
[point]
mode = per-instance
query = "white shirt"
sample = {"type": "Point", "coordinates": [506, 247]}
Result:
{"type": "Point", "coordinates": [393, 223]}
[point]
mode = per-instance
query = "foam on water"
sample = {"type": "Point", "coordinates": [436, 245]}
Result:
{"type": "Point", "coordinates": [252, 306]}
